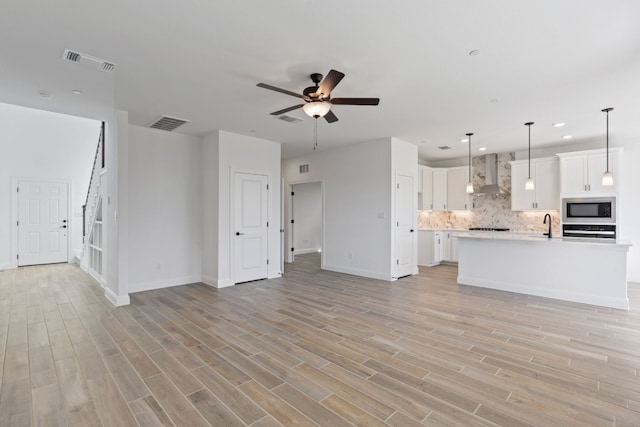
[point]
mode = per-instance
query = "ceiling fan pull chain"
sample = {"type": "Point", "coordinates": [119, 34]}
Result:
{"type": "Point", "coordinates": [315, 134]}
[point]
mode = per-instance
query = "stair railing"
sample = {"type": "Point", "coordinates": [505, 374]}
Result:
{"type": "Point", "coordinates": [98, 164]}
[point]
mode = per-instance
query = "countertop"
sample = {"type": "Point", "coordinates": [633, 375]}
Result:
{"type": "Point", "coordinates": [543, 240]}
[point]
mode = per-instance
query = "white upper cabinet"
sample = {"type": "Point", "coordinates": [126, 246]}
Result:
{"type": "Point", "coordinates": [581, 172]}
{"type": "Point", "coordinates": [457, 197]}
{"type": "Point", "coordinates": [546, 178]}
{"type": "Point", "coordinates": [439, 189]}
{"type": "Point", "coordinates": [426, 184]}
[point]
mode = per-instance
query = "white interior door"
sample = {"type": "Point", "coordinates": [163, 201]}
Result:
{"type": "Point", "coordinates": [42, 222]}
{"type": "Point", "coordinates": [405, 215]}
{"type": "Point", "coordinates": [250, 233]}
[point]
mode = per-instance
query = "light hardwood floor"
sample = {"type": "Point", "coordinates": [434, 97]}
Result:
{"type": "Point", "coordinates": [312, 348]}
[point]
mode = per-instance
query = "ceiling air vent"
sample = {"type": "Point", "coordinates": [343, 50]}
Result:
{"type": "Point", "coordinates": [167, 123]}
{"type": "Point", "coordinates": [444, 147]}
{"type": "Point", "coordinates": [92, 61]}
{"type": "Point", "coordinates": [290, 119]}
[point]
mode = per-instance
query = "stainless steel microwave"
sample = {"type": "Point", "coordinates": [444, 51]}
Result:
{"type": "Point", "coordinates": [589, 210]}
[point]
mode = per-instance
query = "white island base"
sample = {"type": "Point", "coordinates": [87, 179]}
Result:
{"type": "Point", "coordinates": [585, 272]}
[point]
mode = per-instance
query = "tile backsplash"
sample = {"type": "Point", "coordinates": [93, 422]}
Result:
{"type": "Point", "coordinates": [490, 211]}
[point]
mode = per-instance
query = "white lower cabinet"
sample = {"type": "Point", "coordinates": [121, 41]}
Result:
{"type": "Point", "coordinates": [435, 247]}
{"type": "Point", "coordinates": [429, 248]}
{"type": "Point", "coordinates": [449, 247]}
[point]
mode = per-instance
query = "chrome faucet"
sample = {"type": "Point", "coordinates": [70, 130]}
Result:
{"type": "Point", "coordinates": [544, 222]}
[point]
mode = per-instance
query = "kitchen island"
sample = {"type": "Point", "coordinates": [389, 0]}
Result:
{"type": "Point", "coordinates": [588, 272]}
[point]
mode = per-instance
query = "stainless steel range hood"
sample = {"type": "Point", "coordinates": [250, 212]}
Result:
{"type": "Point", "coordinates": [491, 186]}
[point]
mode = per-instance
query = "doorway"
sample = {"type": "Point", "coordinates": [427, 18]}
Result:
{"type": "Point", "coordinates": [43, 223]}
{"type": "Point", "coordinates": [306, 225]}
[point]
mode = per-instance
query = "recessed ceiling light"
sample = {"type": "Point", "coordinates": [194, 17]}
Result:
{"type": "Point", "coordinates": [464, 140]}
{"type": "Point", "coordinates": [567, 137]}
{"type": "Point", "coordinates": [482, 149]}
{"type": "Point", "coordinates": [76, 92]}
{"type": "Point", "coordinates": [45, 95]}
{"type": "Point", "coordinates": [558, 125]}
{"type": "Point", "coordinates": [495, 100]}
{"type": "Point", "coordinates": [474, 52]}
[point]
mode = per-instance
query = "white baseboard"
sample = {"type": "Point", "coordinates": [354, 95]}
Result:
{"type": "Point", "coordinates": [6, 266]}
{"type": "Point", "coordinates": [211, 281]}
{"type": "Point", "coordinates": [305, 251]}
{"type": "Point", "coordinates": [601, 300]}
{"type": "Point", "coordinates": [357, 272]}
{"type": "Point", "coordinates": [165, 283]}
{"type": "Point", "coordinates": [117, 300]}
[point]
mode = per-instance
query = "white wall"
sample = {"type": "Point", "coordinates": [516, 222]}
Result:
{"type": "Point", "coordinates": [165, 209]}
{"type": "Point", "coordinates": [243, 154]}
{"type": "Point", "coordinates": [307, 213]}
{"type": "Point", "coordinates": [43, 145]}
{"type": "Point", "coordinates": [210, 165]}
{"type": "Point", "coordinates": [357, 205]}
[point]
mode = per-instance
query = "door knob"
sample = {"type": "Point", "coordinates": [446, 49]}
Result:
{"type": "Point", "coordinates": [411, 231]}
{"type": "Point", "coordinates": [64, 226]}
{"type": "Point", "coordinates": [239, 233]}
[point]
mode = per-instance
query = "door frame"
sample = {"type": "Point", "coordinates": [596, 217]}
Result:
{"type": "Point", "coordinates": [290, 257]}
{"type": "Point", "coordinates": [14, 208]}
{"type": "Point", "coordinates": [232, 199]}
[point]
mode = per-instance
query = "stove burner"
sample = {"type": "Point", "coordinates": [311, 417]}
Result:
{"type": "Point", "coordinates": [487, 229]}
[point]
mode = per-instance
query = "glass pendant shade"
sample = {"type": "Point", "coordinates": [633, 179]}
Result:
{"type": "Point", "coordinates": [316, 108]}
{"type": "Point", "coordinates": [469, 187]}
{"type": "Point", "coordinates": [607, 179]}
{"type": "Point", "coordinates": [529, 184]}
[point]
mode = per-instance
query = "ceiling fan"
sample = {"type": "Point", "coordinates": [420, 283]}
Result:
{"type": "Point", "coordinates": [318, 99]}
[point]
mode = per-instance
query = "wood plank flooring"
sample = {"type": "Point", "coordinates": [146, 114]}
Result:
{"type": "Point", "coordinates": [313, 348]}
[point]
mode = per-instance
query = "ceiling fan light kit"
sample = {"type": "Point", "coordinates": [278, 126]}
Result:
{"type": "Point", "coordinates": [316, 108]}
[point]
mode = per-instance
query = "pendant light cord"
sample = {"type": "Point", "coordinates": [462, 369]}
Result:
{"type": "Point", "coordinates": [529, 150]}
{"type": "Point", "coordinates": [606, 110]}
{"type": "Point", "coordinates": [607, 140]}
{"type": "Point", "coordinates": [528, 124]}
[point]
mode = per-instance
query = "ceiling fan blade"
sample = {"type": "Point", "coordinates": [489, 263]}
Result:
{"type": "Point", "coordinates": [355, 101]}
{"type": "Point", "coordinates": [286, 110]}
{"type": "Point", "coordinates": [329, 82]}
{"type": "Point", "coordinates": [330, 117]}
{"type": "Point", "coordinates": [277, 89]}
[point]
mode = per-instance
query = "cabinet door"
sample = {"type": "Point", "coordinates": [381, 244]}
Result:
{"type": "Point", "coordinates": [597, 165]}
{"type": "Point", "coordinates": [420, 168]}
{"type": "Point", "coordinates": [427, 189]}
{"type": "Point", "coordinates": [547, 180]}
{"type": "Point", "coordinates": [521, 199]}
{"type": "Point", "coordinates": [453, 249]}
{"type": "Point", "coordinates": [574, 174]}
{"type": "Point", "coordinates": [425, 247]}
{"type": "Point", "coordinates": [446, 246]}
{"type": "Point", "coordinates": [457, 179]}
{"type": "Point", "coordinates": [439, 189]}
{"type": "Point", "coordinates": [437, 248]}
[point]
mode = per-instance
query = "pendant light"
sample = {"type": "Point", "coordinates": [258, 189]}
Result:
{"type": "Point", "coordinates": [607, 177]}
{"type": "Point", "coordinates": [529, 184]}
{"type": "Point", "coordinates": [470, 183]}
